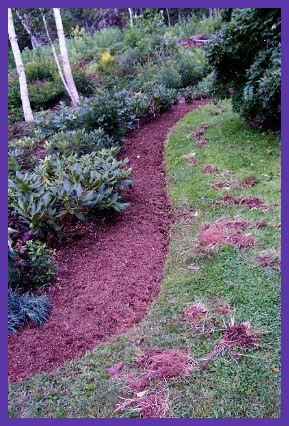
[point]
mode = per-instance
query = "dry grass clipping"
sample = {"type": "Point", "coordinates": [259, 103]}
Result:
{"type": "Point", "coordinates": [149, 404]}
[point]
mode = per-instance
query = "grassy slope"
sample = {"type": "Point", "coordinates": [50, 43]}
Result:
{"type": "Point", "coordinates": [226, 388]}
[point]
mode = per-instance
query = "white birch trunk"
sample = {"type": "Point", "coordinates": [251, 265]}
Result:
{"type": "Point", "coordinates": [24, 21]}
{"type": "Point", "coordinates": [64, 57]}
{"type": "Point", "coordinates": [56, 58]}
{"type": "Point", "coordinates": [168, 15]}
{"type": "Point", "coordinates": [130, 16]}
{"type": "Point", "coordinates": [28, 116]}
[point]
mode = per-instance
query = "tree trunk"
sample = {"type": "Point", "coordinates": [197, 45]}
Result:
{"type": "Point", "coordinates": [130, 16]}
{"type": "Point", "coordinates": [64, 58]}
{"type": "Point", "coordinates": [28, 116]}
{"type": "Point", "coordinates": [25, 22]}
{"type": "Point", "coordinates": [56, 58]}
{"type": "Point", "coordinates": [168, 15]}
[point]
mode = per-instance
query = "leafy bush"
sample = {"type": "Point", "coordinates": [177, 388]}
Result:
{"type": "Point", "coordinates": [42, 94]}
{"type": "Point", "coordinates": [106, 58]}
{"type": "Point", "coordinates": [15, 114]}
{"type": "Point", "coordinates": [261, 95]}
{"type": "Point", "coordinates": [40, 69]}
{"type": "Point", "coordinates": [132, 36]}
{"type": "Point", "coordinates": [245, 56]}
{"type": "Point", "coordinates": [68, 186]}
{"type": "Point", "coordinates": [84, 82]}
{"type": "Point", "coordinates": [208, 25]}
{"type": "Point", "coordinates": [169, 77]}
{"type": "Point", "coordinates": [18, 153]}
{"type": "Point", "coordinates": [203, 89]}
{"type": "Point", "coordinates": [78, 142]}
{"type": "Point", "coordinates": [106, 38]}
{"type": "Point", "coordinates": [90, 182]}
{"type": "Point", "coordinates": [45, 94]}
{"type": "Point", "coordinates": [162, 98]}
{"type": "Point", "coordinates": [154, 99]}
{"type": "Point", "coordinates": [191, 66]}
{"type": "Point", "coordinates": [26, 307]}
{"type": "Point", "coordinates": [14, 100]}
{"type": "Point", "coordinates": [27, 143]}
{"type": "Point", "coordinates": [32, 265]}
{"type": "Point", "coordinates": [129, 62]}
{"type": "Point", "coordinates": [33, 204]}
{"type": "Point", "coordinates": [142, 104]}
{"type": "Point", "coordinates": [16, 158]}
{"type": "Point", "coordinates": [111, 111]}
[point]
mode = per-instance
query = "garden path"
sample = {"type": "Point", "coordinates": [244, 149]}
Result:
{"type": "Point", "coordinates": [109, 271]}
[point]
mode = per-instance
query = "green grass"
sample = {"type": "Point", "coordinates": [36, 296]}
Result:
{"type": "Point", "coordinates": [226, 387]}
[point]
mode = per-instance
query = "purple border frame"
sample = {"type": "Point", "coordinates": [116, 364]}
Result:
{"type": "Point", "coordinates": [284, 5]}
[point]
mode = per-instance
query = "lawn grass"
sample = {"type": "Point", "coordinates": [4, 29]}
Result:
{"type": "Point", "coordinates": [247, 387]}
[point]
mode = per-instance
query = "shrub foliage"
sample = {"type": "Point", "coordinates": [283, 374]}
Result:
{"type": "Point", "coordinates": [245, 55]}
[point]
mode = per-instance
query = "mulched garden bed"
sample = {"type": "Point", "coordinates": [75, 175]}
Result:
{"type": "Point", "coordinates": [110, 270]}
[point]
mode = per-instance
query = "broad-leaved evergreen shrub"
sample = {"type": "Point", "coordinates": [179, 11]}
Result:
{"type": "Point", "coordinates": [245, 57]}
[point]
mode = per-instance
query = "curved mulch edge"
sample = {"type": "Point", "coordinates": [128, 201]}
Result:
{"type": "Point", "coordinates": [110, 271]}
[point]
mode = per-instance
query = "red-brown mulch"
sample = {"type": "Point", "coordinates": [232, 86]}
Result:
{"type": "Point", "coordinates": [201, 142]}
{"type": "Point", "coordinates": [210, 169]}
{"type": "Point", "coordinates": [111, 271]}
{"type": "Point", "coordinates": [224, 231]}
{"type": "Point", "coordinates": [248, 182]}
{"type": "Point", "coordinates": [222, 185]}
{"type": "Point", "coordinates": [251, 202]}
{"type": "Point", "coordinates": [200, 130]}
{"type": "Point", "coordinates": [269, 259]}
{"type": "Point", "coordinates": [196, 311]}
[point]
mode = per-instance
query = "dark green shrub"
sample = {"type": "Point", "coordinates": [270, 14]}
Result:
{"type": "Point", "coordinates": [32, 203]}
{"type": "Point", "coordinates": [45, 94]}
{"type": "Point", "coordinates": [162, 98]}
{"type": "Point", "coordinates": [245, 56]}
{"type": "Point", "coordinates": [67, 186]}
{"type": "Point", "coordinates": [203, 89]}
{"type": "Point", "coordinates": [261, 95]}
{"type": "Point", "coordinates": [78, 142]}
{"type": "Point", "coordinates": [32, 266]}
{"type": "Point", "coordinates": [153, 99]}
{"type": "Point", "coordinates": [19, 153]}
{"type": "Point", "coordinates": [26, 307]}
{"type": "Point", "coordinates": [191, 68]}
{"type": "Point", "coordinates": [40, 69]}
{"type": "Point", "coordinates": [169, 77]}
{"type": "Point", "coordinates": [130, 62]}
{"type": "Point", "coordinates": [141, 104]}
{"type": "Point", "coordinates": [112, 111]}
{"type": "Point", "coordinates": [16, 158]}
{"type": "Point", "coordinates": [15, 115]}
{"type": "Point", "coordinates": [132, 36]}
{"type": "Point", "coordinates": [14, 100]}
{"type": "Point", "coordinates": [82, 185]}
{"type": "Point", "coordinates": [83, 82]}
